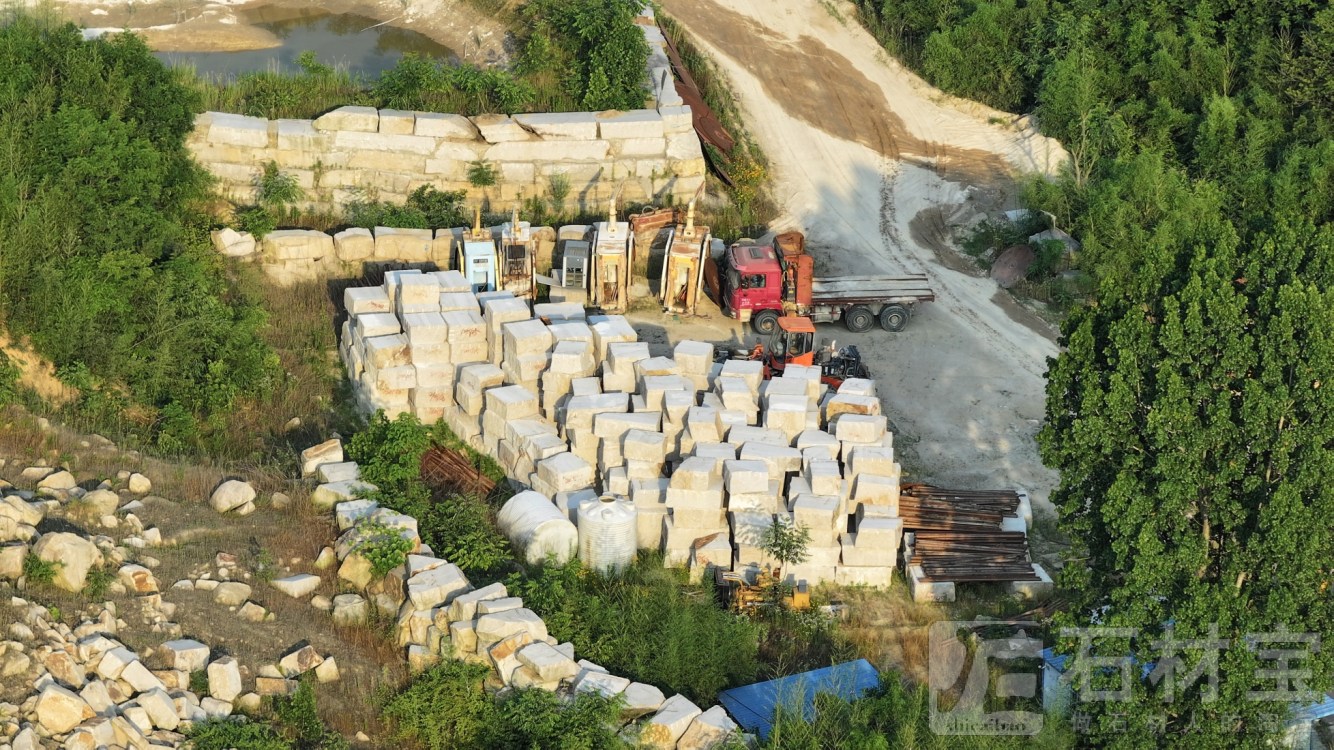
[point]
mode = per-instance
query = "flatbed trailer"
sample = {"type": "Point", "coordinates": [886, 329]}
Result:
{"type": "Point", "coordinates": [761, 283]}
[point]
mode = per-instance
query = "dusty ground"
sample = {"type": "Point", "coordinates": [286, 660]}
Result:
{"type": "Point", "coordinates": [877, 168]}
{"type": "Point", "coordinates": [205, 26]}
{"type": "Point", "coordinates": [284, 541]}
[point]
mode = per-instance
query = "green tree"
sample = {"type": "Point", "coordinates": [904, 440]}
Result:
{"type": "Point", "coordinates": [1190, 422]}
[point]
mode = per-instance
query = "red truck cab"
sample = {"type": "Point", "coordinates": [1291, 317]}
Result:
{"type": "Point", "coordinates": [751, 278]}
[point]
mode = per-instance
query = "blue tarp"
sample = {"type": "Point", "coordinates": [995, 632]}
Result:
{"type": "Point", "coordinates": [753, 706]}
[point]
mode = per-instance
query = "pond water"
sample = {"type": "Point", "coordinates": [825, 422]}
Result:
{"type": "Point", "coordinates": [355, 43]}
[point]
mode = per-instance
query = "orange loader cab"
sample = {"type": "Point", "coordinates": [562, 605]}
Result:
{"type": "Point", "coordinates": [792, 342]}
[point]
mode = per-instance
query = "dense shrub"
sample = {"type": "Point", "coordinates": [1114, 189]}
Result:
{"type": "Point", "coordinates": [574, 55]}
{"type": "Point", "coordinates": [445, 708]}
{"type": "Point", "coordinates": [425, 208]}
{"type": "Point", "coordinates": [645, 624]}
{"type": "Point", "coordinates": [460, 529]}
{"type": "Point", "coordinates": [106, 267]}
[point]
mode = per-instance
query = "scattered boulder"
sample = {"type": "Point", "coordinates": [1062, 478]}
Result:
{"type": "Point", "coordinates": [139, 484]}
{"type": "Point", "coordinates": [231, 593]}
{"type": "Point", "coordinates": [60, 480]}
{"type": "Point", "coordinates": [298, 586]}
{"type": "Point", "coordinates": [252, 612]}
{"type": "Point", "coordinates": [101, 502]}
{"type": "Point", "coordinates": [327, 670]}
{"type": "Point", "coordinates": [138, 579]}
{"type": "Point", "coordinates": [350, 609]}
{"type": "Point", "coordinates": [74, 555]}
{"type": "Point", "coordinates": [11, 561]}
{"type": "Point", "coordinates": [232, 493]}
{"type": "Point", "coordinates": [300, 660]}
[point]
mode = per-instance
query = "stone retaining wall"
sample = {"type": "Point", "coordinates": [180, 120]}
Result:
{"type": "Point", "coordinates": [650, 155]}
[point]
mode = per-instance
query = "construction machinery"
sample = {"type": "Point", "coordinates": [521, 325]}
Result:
{"type": "Point", "coordinates": [768, 587]}
{"type": "Point", "coordinates": [613, 255]}
{"type": "Point", "coordinates": [476, 257]}
{"type": "Point", "coordinates": [759, 284]}
{"type": "Point", "coordinates": [683, 265]}
{"type": "Point", "coordinates": [793, 343]}
{"type": "Point", "coordinates": [518, 254]}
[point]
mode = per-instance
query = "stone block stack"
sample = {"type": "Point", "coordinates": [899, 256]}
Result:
{"type": "Point", "coordinates": [710, 455]}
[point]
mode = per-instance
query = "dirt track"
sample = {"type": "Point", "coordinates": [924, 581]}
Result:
{"type": "Point", "coordinates": [877, 167]}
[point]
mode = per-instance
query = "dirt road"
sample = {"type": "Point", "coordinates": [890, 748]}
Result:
{"type": "Point", "coordinates": [876, 167]}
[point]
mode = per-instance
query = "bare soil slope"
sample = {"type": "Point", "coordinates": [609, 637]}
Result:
{"type": "Point", "coordinates": [876, 167]}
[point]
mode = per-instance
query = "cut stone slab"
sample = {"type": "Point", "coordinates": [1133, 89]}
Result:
{"type": "Point", "coordinates": [464, 606]}
{"type": "Point", "coordinates": [640, 699]}
{"type": "Point", "coordinates": [710, 729]}
{"type": "Point", "coordinates": [592, 681]}
{"type": "Point", "coordinates": [161, 710]}
{"type": "Point", "coordinates": [329, 494]}
{"type": "Point", "coordinates": [492, 628]}
{"type": "Point", "coordinates": [224, 679]}
{"type": "Point", "coordinates": [342, 471]}
{"type": "Point", "coordinates": [437, 586]}
{"type": "Point", "coordinates": [298, 586]}
{"type": "Point", "coordinates": [548, 664]}
{"type": "Point", "coordinates": [328, 452]}
{"type": "Point", "coordinates": [665, 727]}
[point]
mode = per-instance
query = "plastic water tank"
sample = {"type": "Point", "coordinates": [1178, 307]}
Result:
{"type": "Point", "coordinates": [607, 534]}
{"type": "Point", "coordinates": [537, 528]}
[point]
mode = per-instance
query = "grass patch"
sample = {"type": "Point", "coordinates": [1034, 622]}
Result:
{"type": "Point", "coordinates": [647, 624]}
{"type": "Point", "coordinates": [39, 572]}
{"type": "Point", "coordinates": [748, 206]}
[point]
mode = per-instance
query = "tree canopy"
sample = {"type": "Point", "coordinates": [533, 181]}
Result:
{"type": "Point", "coordinates": [106, 266]}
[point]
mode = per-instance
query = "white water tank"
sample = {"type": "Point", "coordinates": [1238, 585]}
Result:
{"type": "Point", "coordinates": [608, 537]}
{"type": "Point", "coordinates": [537, 528]}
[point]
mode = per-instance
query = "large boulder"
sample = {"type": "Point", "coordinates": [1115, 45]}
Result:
{"type": "Point", "coordinates": [231, 494]}
{"type": "Point", "coordinates": [100, 502]}
{"type": "Point", "coordinates": [11, 561]}
{"type": "Point", "coordinates": [60, 710]}
{"type": "Point", "coordinates": [60, 480]}
{"type": "Point", "coordinates": [73, 556]}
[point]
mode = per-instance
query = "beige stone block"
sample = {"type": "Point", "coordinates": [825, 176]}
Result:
{"type": "Point", "coordinates": [561, 125]}
{"type": "Point", "coordinates": [301, 137]}
{"type": "Point", "coordinates": [381, 161]}
{"type": "Point", "coordinates": [638, 123]}
{"type": "Point", "coordinates": [238, 130]}
{"type": "Point", "coordinates": [440, 125]}
{"type": "Point", "coordinates": [397, 122]}
{"type": "Point", "coordinates": [415, 144]}
{"type": "Point", "coordinates": [642, 147]}
{"type": "Point", "coordinates": [358, 119]}
{"type": "Point", "coordinates": [500, 129]}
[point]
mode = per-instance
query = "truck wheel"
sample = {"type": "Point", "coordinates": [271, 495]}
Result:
{"type": "Point", "coordinates": [764, 322]}
{"type": "Point", "coordinates": [858, 318]}
{"type": "Point", "coordinates": [894, 318]}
